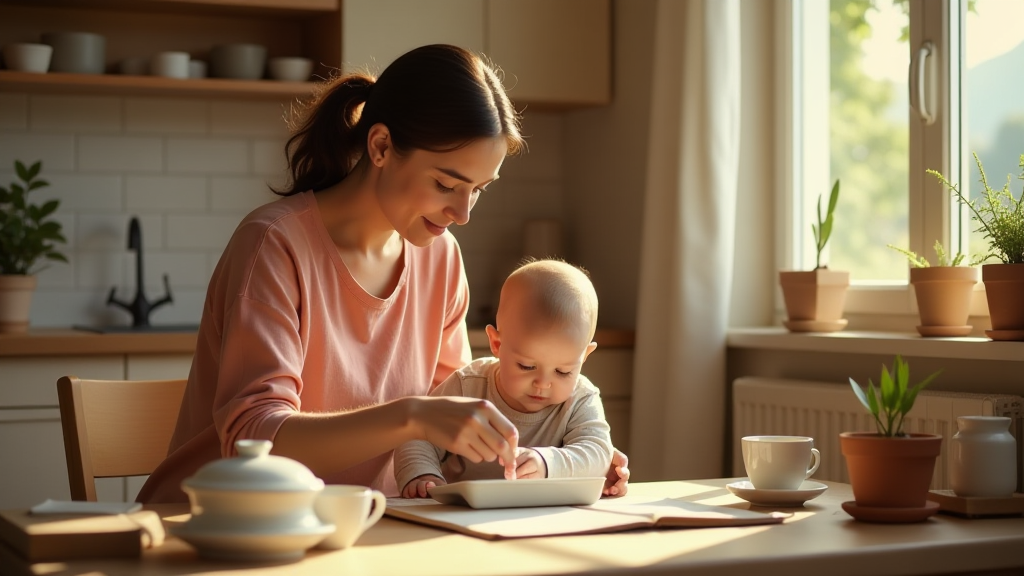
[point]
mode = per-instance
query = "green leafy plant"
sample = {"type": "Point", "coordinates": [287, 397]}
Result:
{"type": "Point", "coordinates": [26, 235]}
{"type": "Point", "coordinates": [1000, 215]}
{"type": "Point", "coordinates": [922, 262]}
{"type": "Point", "coordinates": [890, 402]}
{"type": "Point", "coordinates": [823, 229]}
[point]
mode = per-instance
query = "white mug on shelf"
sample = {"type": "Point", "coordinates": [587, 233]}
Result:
{"type": "Point", "coordinates": [170, 64]}
{"type": "Point", "coordinates": [779, 462]}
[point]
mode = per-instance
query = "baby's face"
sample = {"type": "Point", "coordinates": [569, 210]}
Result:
{"type": "Point", "coordinates": [538, 368]}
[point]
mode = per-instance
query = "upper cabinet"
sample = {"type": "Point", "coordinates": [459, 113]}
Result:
{"type": "Point", "coordinates": [554, 54]}
{"type": "Point", "coordinates": [141, 28]}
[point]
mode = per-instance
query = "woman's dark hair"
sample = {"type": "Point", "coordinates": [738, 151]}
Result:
{"type": "Point", "coordinates": [435, 98]}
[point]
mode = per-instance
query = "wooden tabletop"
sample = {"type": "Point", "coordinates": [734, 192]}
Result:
{"type": "Point", "coordinates": [819, 538]}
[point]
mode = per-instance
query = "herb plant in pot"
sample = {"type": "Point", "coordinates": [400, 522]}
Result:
{"type": "Point", "coordinates": [26, 237]}
{"type": "Point", "coordinates": [943, 292]}
{"type": "Point", "coordinates": [815, 299]}
{"type": "Point", "coordinates": [1001, 220]}
{"type": "Point", "coordinates": [890, 469]}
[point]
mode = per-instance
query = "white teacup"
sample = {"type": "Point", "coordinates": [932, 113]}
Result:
{"type": "Point", "coordinates": [352, 510]}
{"type": "Point", "coordinates": [779, 462]}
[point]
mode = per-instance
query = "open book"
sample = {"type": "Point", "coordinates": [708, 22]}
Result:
{"type": "Point", "coordinates": [603, 516]}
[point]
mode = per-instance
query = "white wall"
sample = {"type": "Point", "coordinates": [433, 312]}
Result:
{"type": "Point", "coordinates": [190, 169]}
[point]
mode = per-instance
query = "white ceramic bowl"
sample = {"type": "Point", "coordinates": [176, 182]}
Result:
{"type": "Point", "coordinates": [253, 507]}
{"type": "Point", "coordinates": [290, 68]}
{"type": "Point", "coordinates": [77, 52]}
{"type": "Point", "coordinates": [238, 61]}
{"type": "Point", "coordinates": [27, 57]}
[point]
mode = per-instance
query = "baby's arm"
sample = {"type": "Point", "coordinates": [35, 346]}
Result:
{"type": "Point", "coordinates": [417, 487]}
{"type": "Point", "coordinates": [587, 445]}
{"type": "Point", "coordinates": [419, 460]}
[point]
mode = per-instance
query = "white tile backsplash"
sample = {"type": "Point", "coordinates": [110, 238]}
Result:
{"type": "Point", "coordinates": [190, 170]}
{"type": "Point", "coordinates": [102, 232]}
{"type": "Point", "coordinates": [167, 116]}
{"type": "Point", "coordinates": [248, 119]}
{"type": "Point", "coordinates": [56, 151]}
{"type": "Point", "coordinates": [82, 114]}
{"type": "Point", "coordinates": [200, 231]}
{"type": "Point", "coordinates": [208, 156]}
{"type": "Point", "coordinates": [13, 111]}
{"type": "Point", "coordinates": [120, 154]}
{"type": "Point", "coordinates": [236, 195]}
{"type": "Point", "coordinates": [84, 192]}
{"type": "Point", "coordinates": [166, 193]}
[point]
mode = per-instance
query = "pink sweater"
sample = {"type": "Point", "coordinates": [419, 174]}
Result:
{"type": "Point", "coordinates": [286, 329]}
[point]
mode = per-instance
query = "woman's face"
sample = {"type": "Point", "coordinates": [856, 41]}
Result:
{"type": "Point", "coordinates": [422, 193]}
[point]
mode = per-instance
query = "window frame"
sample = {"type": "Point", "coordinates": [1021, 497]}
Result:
{"type": "Point", "coordinates": [933, 212]}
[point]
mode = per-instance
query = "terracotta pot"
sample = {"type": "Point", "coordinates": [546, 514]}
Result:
{"type": "Point", "coordinates": [15, 301]}
{"type": "Point", "coordinates": [1004, 289]}
{"type": "Point", "coordinates": [815, 296]}
{"type": "Point", "coordinates": [944, 299]}
{"type": "Point", "coordinates": [888, 472]}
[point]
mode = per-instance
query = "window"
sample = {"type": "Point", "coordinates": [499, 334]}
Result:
{"type": "Point", "coordinates": [876, 93]}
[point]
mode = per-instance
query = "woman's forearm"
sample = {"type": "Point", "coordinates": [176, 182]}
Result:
{"type": "Point", "coordinates": [331, 443]}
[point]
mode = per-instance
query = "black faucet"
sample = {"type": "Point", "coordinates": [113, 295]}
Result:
{"type": "Point", "coordinates": [140, 308]}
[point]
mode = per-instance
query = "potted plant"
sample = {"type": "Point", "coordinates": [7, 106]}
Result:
{"type": "Point", "coordinates": [1001, 220]}
{"type": "Point", "coordinates": [815, 299]}
{"type": "Point", "coordinates": [943, 292]}
{"type": "Point", "coordinates": [26, 236]}
{"type": "Point", "coordinates": [890, 469]}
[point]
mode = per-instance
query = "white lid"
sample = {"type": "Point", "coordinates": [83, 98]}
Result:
{"type": "Point", "coordinates": [255, 470]}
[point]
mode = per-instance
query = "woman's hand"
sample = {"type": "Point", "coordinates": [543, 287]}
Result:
{"type": "Point", "coordinates": [417, 487]}
{"type": "Point", "coordinates": [530, 464]}
{"type": "Point", "coordinates": [469, 427]}
{"type": "Point", "coordinates": [616, 483]}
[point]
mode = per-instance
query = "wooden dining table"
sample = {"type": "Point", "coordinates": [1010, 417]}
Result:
{"type": "Point", "coordinates": [819, 538]}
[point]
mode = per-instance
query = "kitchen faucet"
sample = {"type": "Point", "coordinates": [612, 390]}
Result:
{"type": "Point", "coordinates": [140, 308]}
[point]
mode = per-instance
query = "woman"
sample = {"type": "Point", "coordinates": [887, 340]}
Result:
{"type": "Point", "coordinates": [334, 310]}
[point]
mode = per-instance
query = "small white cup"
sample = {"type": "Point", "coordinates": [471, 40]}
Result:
{"type": "Point", "coordinates": [170, 64]}
{"type": "Point", "coordinates": [352, 510]}
{"type": "Point", "coordinates": [28, 57]}
{"type": "Point", "coordinates": [779, 462]}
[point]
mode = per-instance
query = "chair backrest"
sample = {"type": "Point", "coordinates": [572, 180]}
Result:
{"type": "Point", "coordinates": [115, 428]}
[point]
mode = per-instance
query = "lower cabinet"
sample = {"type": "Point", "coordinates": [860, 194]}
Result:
{"type": "Point", "coordinates": [32, 462]}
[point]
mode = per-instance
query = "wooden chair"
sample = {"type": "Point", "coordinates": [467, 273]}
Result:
{"type": "Point", "coordinates": [115, 428]}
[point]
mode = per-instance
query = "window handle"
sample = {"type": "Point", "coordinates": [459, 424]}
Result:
{"type": "Point", "coordinates": [918, 88]}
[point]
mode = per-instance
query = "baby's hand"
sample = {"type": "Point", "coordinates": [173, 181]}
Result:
{"type": "Point", "coordinates": [417, 487]}
{"type": "Point", "coordinates": [530, 464]}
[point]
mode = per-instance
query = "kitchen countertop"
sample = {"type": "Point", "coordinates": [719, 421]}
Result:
{"type": "Point", "coordinates": [70, 342]}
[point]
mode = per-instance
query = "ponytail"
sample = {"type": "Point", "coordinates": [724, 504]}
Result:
{"type": "Point", "coordinates": [435, 98]}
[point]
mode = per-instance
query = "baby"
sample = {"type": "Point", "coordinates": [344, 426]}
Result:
{"type": "Point", "coordinates": [545, 325]}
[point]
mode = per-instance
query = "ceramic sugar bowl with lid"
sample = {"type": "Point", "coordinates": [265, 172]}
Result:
{"type": "Point", "coordinates": [253, 507]}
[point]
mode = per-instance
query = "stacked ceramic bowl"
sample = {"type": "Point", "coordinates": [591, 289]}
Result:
{"type": "Point", "coordinates": [238, 61]}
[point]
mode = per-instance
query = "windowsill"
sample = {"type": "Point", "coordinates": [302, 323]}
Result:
{"type": "Point", "coordinates": [866, 342]}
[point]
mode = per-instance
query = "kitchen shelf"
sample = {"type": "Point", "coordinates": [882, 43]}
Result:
{"type": "Point", "coordinates": [142, 28]}
{"type": "Point", "coordinates": [116, 85]}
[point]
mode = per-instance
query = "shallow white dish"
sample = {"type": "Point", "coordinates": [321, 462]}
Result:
{"type": "Point", "coordinates": [808, 490]}
{"type": "Point", "coordinates": [253, 546]}
{"type": "Point", "coordinates": [520, 493]}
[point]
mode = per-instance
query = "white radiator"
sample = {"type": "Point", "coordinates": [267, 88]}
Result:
{"type": "Point", "coordinates": [822, 410]}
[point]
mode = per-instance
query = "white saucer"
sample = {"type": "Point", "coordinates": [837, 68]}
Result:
{"type": "Point", "coordinates": [256, 547]}
{"type": "Point", "coordinates": [808, 490]}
